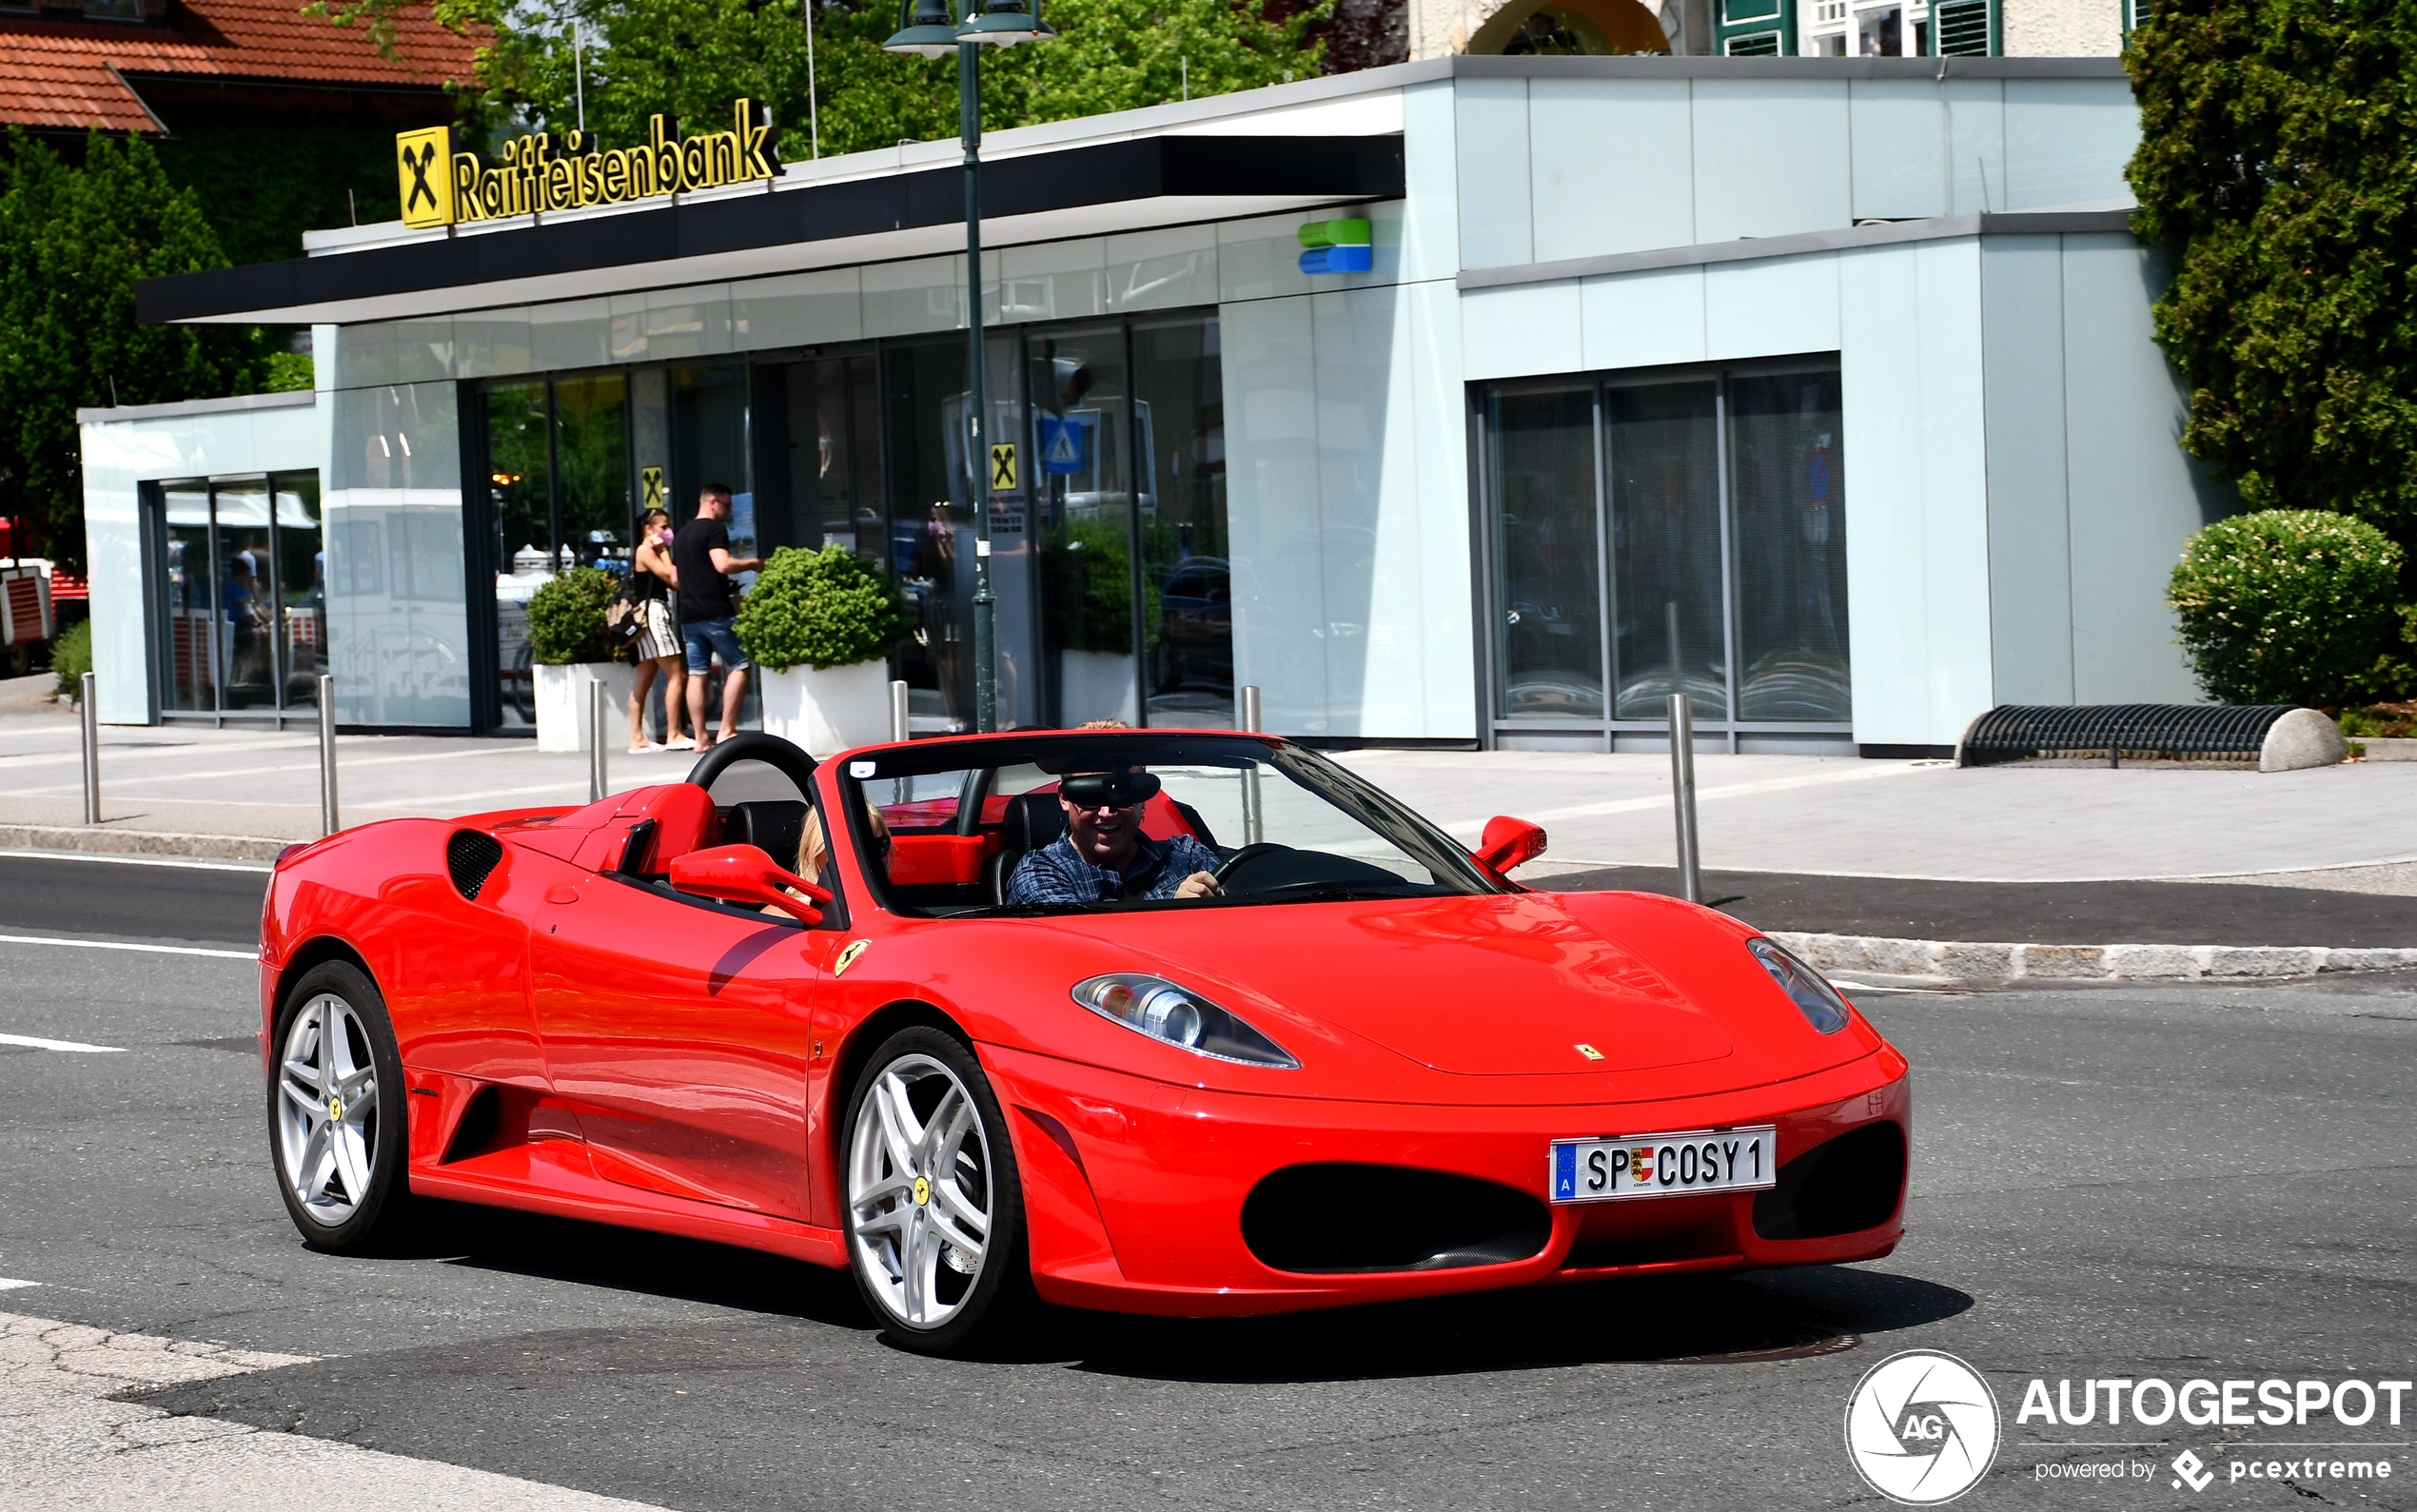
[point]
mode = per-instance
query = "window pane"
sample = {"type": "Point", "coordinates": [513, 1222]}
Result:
{"type": "Point", "coordinates": [1082, 502]}
{"type": "Point", "coordinates": [1665, 511]}
{"type": "Point", "coordinates": [1549, 587]}
{"type": "Point", "coordinates": [247, 614]}
{"type": "Point", "coordinates": [518, 462]}
{"type": "Point", "coordinates": [301, 589]}
{"type": "Point", "coordinates": [930, 541]}
{"type": "Point", "coordinates": [188, 599]}
{"type": "Point", "coordinates": [1189, 635]}
{"type": "Point", "coordinates": [1788, 478]}
{"type": "Point", "coordinates": [591, 441]}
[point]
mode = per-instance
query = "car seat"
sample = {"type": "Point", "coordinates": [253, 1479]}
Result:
{"type": "Point", "coordinates": [775, 826]}
{"type": "Point", "coordinates": [1033, 821]}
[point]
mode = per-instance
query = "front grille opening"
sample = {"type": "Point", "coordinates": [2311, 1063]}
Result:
{"type": "Point", "coordinates": [1850, 1184]}
{"type": "Point", "coordinates": [472, 856]}
{"type": "Point", "coordinates": [1334, 1217]}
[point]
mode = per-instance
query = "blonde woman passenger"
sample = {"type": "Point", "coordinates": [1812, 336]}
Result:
{"type": "Point", "coordinates": [653, 580]}
{"type": "Point", "coordinates": [814, 849]}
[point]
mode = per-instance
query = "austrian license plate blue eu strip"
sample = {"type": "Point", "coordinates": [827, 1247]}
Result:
{"type": "Point", "coordinates": [1680, 1165]}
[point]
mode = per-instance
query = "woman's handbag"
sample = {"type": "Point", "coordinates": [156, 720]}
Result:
{"type": "Point", "coordinates": [623, 622]}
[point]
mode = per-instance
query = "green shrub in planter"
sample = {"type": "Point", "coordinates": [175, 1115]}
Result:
{"type": "Point", "coordinates": [820, 609]}
{"type": "Point", "coordinates": [2289, 607]}
{"type": "Point", "coordinates": [71, 657]}
{"type": "Point", "coordinates": [566, 618]}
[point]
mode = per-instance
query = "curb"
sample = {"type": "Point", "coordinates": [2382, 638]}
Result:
{"type": "Point", "coordinates": [139, 842]}
{"type": "Point", "coordinates": [1977, 961]}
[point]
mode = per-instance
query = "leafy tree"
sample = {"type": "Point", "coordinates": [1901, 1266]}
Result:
{"type": "Point", "coordinates": [690, 58]}
{"type": "Point", "coordinates": [73, 242]}
{"type": "Point", "coordinates": [2279, 151]}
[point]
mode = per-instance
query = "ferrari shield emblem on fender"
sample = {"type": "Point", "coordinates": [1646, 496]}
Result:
{"type": "Point", "coordinates": [848, 955]}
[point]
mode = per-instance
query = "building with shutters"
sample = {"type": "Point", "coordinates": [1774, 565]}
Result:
{"type": "Point", "coordinates": [1820, 389]}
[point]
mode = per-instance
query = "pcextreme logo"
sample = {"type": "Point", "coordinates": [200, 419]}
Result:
{"type": "Point", "coordinates": [1921, 1428]}
{"type": "Point", "coordinates": [440, 187]}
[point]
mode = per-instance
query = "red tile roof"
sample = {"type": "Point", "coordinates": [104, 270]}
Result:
{"type": "Point", "coordinates": [73, 73]}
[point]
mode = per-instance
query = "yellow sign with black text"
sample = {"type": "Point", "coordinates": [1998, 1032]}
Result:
{"type": "Point", "coordinates": [440, 187]}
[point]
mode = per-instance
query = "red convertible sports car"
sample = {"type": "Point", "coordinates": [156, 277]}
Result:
{"type": "Point", "coordinates": [1190, 1023]}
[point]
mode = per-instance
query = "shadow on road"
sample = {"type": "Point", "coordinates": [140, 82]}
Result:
{"type": "Point", "coordinates": [1688, 1320]}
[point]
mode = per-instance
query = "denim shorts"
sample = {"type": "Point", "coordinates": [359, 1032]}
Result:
{"type": "Point", "coordinates": [705, 636]}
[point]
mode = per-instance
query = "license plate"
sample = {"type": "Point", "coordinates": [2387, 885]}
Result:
{"type": "Point", "coordinates": [1680, 1165]}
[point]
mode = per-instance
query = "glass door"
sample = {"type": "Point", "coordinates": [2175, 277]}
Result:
{"type": "Point", "coordinates": [1084, 429]}
{"type": "Point", "coordinates": [239, 605]}
{"type": "Point", "coordinates": [1179, 426]}
{"type": "Point", "coordinates": [1548, 646]}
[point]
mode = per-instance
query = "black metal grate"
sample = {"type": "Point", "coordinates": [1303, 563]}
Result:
{"type": "Point", "coordinates": [2165, 732]}
{"type": "Point", "coordinates": [472, 858]}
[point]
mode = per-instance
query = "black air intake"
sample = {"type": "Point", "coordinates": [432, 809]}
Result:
{"type": "Point", "coordinates": [1328, 1218]}
{"type": "Point", "coordinates": [472, 856]}
{"type": "Point", "coordinates": [1850, 1184]}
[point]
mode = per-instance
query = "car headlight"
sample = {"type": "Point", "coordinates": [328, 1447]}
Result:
{"type": "Point", "coordinates": [1817, 999]}
{"type": "Point", "coordinates": [1179, 1016]}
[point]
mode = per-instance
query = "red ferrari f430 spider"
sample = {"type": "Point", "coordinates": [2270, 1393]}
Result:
{"type": "Point", "coordinates": [1185, 1023]}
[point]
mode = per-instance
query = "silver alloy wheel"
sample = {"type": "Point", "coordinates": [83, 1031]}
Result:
{"type": "Point", "coordinates": [919, 1190]}
{"type": "Point", "coordinates": [327, 1109]}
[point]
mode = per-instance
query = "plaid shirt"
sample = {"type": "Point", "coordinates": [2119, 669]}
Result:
{"type": "Point", "coordinates": [1055, 874]}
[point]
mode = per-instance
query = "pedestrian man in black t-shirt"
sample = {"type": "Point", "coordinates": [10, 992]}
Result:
{"type": "Point", "coordinates": [708, 607]}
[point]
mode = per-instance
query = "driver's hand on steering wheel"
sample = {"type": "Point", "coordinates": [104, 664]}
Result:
{"type": "Point", "coordinates": [1200, 884]}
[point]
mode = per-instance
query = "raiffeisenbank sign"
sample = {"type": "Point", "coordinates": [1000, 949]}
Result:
{"type": "Point", "coordinates": [440, 187]}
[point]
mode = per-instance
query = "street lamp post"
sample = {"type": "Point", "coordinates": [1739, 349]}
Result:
{"type": "Point", "coordinates": [931, 29]}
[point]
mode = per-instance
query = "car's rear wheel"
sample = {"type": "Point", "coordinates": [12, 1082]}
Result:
{"type": "Point", "coordinates": [335, 1112]}
{"type": "Point", "coordinates": [936, 1209]}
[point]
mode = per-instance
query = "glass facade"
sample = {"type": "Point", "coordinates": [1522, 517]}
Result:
{"type": "Point", "coordinates": [239, 618]}
{"type": "Point", "coordinates": [1653, 533]}
{"type": "Point", "coordinates": [399, 638]}
{"type": "Point", "coordinates": [1104, 463]}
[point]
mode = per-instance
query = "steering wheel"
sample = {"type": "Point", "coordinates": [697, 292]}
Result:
{"type": "Point", "coordinates": [1246, 859]}
{"type": "Point", "coordinates": [754, 745]}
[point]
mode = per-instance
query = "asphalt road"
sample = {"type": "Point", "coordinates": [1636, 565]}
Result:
{"type": "Point", "coordinates": [2183, 1182]}
{"type": "Point", "coordinates": [136, 897]}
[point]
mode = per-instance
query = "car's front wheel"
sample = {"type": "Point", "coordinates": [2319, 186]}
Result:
{"type": "Point", "coordinates": [936, 1210]}
{"type": "Point", "coordinates": [335, 1110]}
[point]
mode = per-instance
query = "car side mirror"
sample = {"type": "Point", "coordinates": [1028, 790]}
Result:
{"type": "Point", "coordinates": [743, 874]}
{"type": "Point", "coordinates": [1509, 842]}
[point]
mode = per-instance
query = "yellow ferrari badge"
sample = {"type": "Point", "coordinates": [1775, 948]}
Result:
{"type": "Point", "coordinates": [848, 956]}
{"type": "Point", "coordinates": [922, 1190]}
{"type": "Point", "coordinates": [1590, 1052]}
{"type": "Point", "coordinates": [335, 1109]}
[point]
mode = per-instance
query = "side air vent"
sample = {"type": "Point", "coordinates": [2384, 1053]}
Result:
{"type": "Point", "coordinates": [1850, 1184]}
{"type": "Point", "coordinates": [472, 858]}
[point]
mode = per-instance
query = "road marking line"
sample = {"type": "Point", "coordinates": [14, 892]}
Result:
{"type": "Point", "coordinates": [10, 1283]}
{"type": "Point", "coordinates": [189, 863]}
{"type": "Point", "coordinates": [1705, 794]}
{"type": "Point", "coordinates": [73, 1047]}
{"type": "Point", "coordinates": [120, 945]}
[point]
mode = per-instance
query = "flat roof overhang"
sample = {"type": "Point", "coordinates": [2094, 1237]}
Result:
{"type": "Point", "coordinates": [1138, 183]}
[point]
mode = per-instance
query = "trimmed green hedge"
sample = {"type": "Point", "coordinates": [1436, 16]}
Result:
{"type": "Point", "coordinates": [566, 618]}
{"type": "Point", "coordinates": [820, 609]}
{"type": "Point", "coordinates": [2289, 606]}
{"type": "Point", "coordinates": [71, 657]}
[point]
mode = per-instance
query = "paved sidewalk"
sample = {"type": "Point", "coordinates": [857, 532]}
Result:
{"type": "Point", "coordinates": [1759, 814]}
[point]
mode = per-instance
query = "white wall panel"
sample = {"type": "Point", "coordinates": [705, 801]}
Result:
{"type": "Point", "coordinates": [1771, 157]}
{"type": "Point", "coordinates": [802, 309]}
{"type": "Point", "coordinates": [1522, 329]}
{"type": "Point", "coordinates": [1898, 140]}
{"type": "Point", "coordinates": [1272, 509]}
{"type": "Point", "coordinates": [1613, 168]}
{"type": "Point", "coordinates": [1770, 308]}
{"type": "Point", "coordinates": [2067, 140]}
{"type": "Point", "coordinates": [1644, 320]}
{"type": "Point", "coordinates": [1491, 121]}
{"type": "Point", "coordinates": [2030, 546]}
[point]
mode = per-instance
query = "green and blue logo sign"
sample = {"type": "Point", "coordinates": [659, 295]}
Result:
{"type": "Point", "coordinates": [1336, 246]}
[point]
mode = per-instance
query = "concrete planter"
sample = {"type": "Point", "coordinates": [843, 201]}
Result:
{"type": "Point", "coordinates": [827, 711]}
{"type": "Point", "coordinates": [562, 703]}
{"type": "Point", "coordinates": [1097, 685]}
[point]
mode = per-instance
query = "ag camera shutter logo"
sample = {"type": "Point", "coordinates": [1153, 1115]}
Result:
{"type": "Point", "coordinates": [1921, 1428]}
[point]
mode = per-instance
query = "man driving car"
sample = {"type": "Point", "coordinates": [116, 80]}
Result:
{"type": "Point", "coordinates": [1103, 857]}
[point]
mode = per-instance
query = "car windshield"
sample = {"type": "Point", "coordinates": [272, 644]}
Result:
{"type": "Point", "coordinates": [1101, 822]}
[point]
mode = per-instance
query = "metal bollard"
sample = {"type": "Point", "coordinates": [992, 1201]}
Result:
{"type": "Point", "coordinates": [898, 729]}
{"type": "Point", "coordinates": [1683, 792]}
{"type": "Point", "coordinates": [89, 720]}
{"type": "Point", "coordinates": [597, 782]}
{"type": "Point", "coordinates": [1253, 821]}
{"type": "Point", "coordinates": [328, 824]}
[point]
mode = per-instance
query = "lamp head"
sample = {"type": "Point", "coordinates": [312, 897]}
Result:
{"type": "Point", "coordinates": [926, 29]}
{"type": "Point", "coordinates": [1003, 23]}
